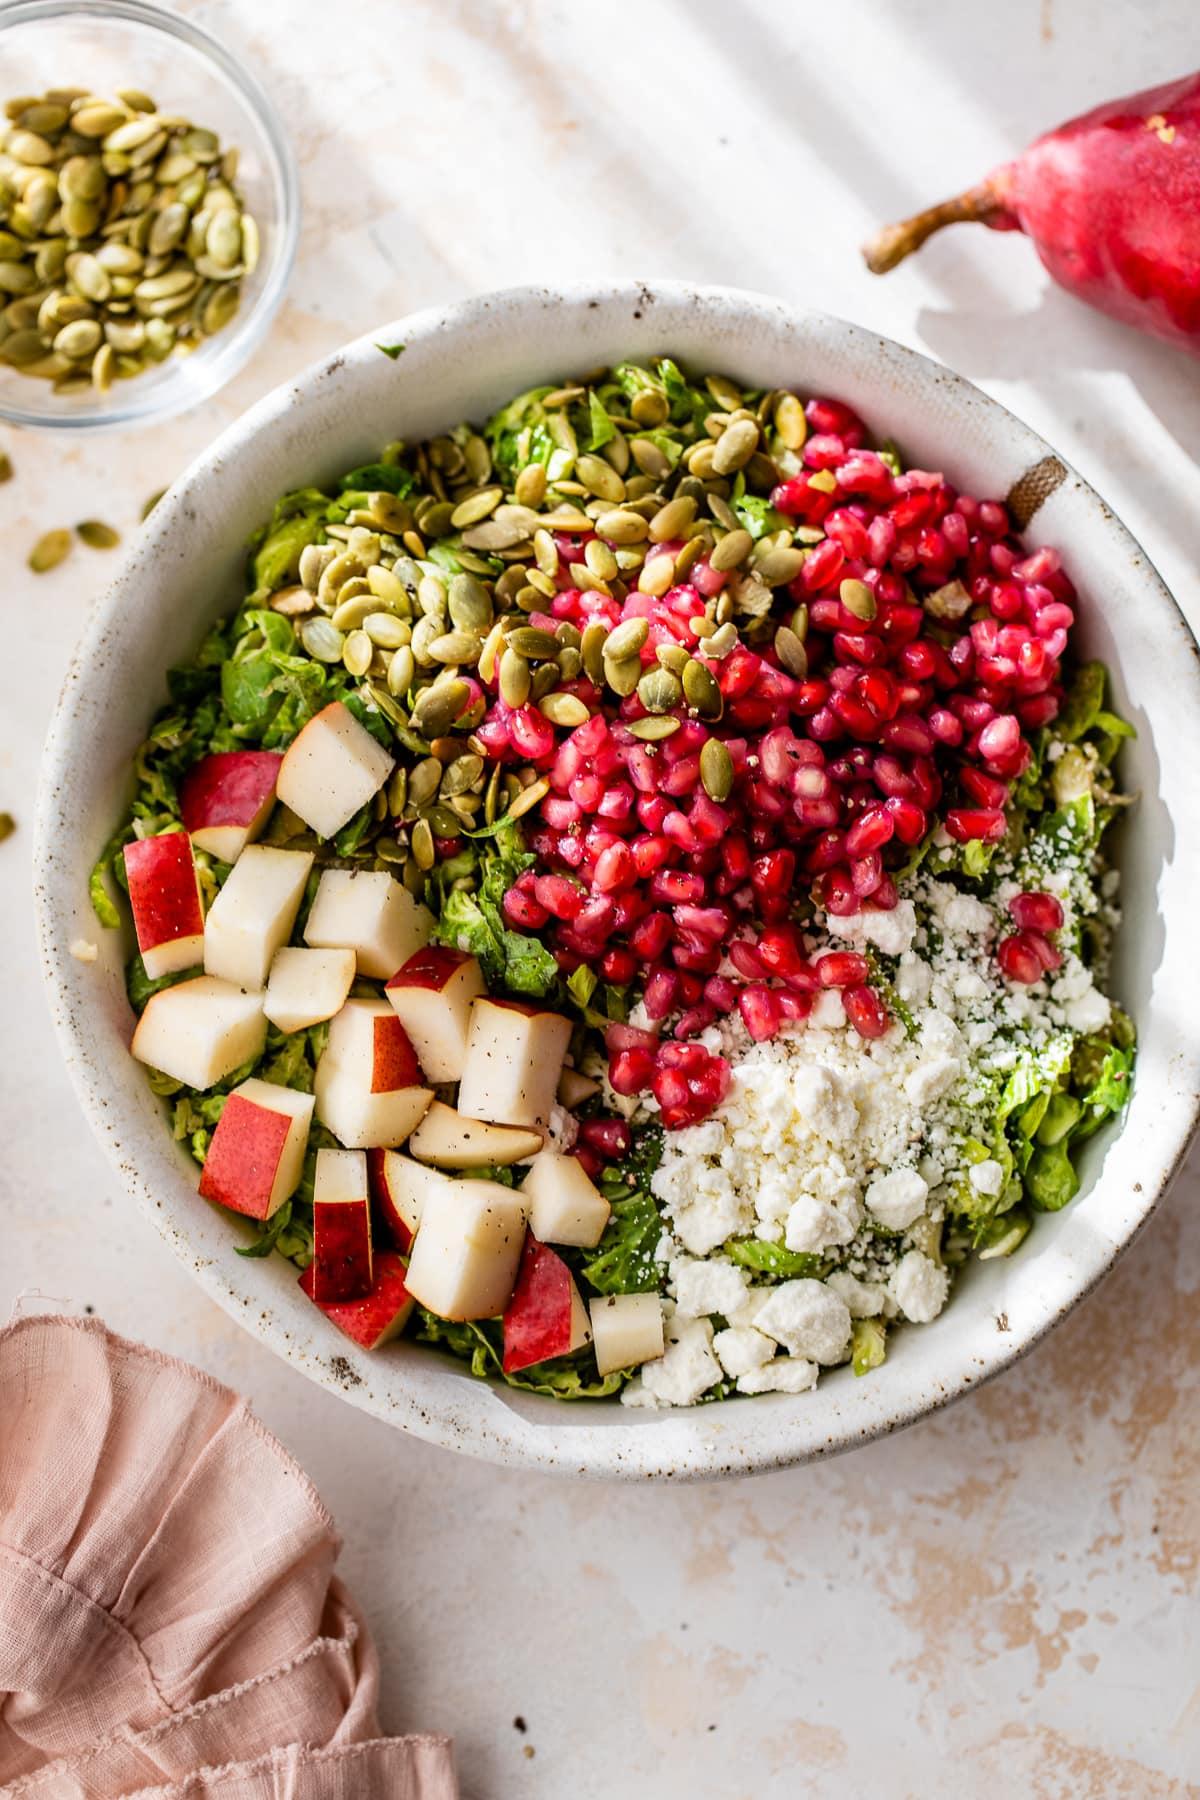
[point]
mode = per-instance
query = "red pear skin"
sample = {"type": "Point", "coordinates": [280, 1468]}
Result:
{"type": "Point", "coordinates": [537, 1320]}
{"type": "Point", "coordinates": [379, 1315]}
{"type": "Point", "coordinates": [1111, 201]}
{"type": "Point", "coordinates": [243, 1157]}
{"type": "Point", "coordinates": [394, 1063]}
{"type": "Point", "coordinates": [162, 889]}
{"type": "Point", "coordinates": [227, 788]}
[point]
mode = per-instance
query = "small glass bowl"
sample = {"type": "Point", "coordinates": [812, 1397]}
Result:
{"type": "Point", "coordinates": [110, 44]}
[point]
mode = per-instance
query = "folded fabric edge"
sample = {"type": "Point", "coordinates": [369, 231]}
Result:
{"type": "Point", "coordinates": [122, 1739]}
{"type": "Point", "coordinates": [373, 1757]}
{"type": "Point", "coordinates": [94, 1327]}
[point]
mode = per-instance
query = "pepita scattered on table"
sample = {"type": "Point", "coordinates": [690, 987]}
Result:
{"type": "Point", "coordinates": [123, 237]}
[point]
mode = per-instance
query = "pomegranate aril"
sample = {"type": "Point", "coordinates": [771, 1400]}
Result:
{"type": "Point", "coordinates": [630, 1071]}
{"type": "Point", "coordinates": [965, 823]}
{"type": "Point", "coordinates": [1018, 958]}
{"type": "Point", "coordinates": [760, 1012]}
{"type": "Point", "coordinates": [619, 965]}
{"type": "Point", "coordinates": [1037, 911]}
{"type": "Point", "coordinates": [610, 1138]}
{"type": "Point", "coordinates": [523, 911]}
{"type": "Point", "coordinates": [870, 831]}
{"type": "Point", "coordinates": [866, 1011]}
{"type": "Point", "coordinates": [842, 968]}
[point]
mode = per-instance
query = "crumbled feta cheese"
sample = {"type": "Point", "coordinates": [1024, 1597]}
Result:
{"type": "Point", "coordinates": [919, 1287]}
{"type": "Point", "coordinates": [687, 1367]}
{"type": "Point", "coordinates": [1090, 1012]}
{"type": "Point", "coordinates": [828, 1013]}
{"type": "Point", "coordinates": [815, 1225]}
{"type": "Point", "coordinates": [740, 1348]}
{"type": "Point", "coordinates": [563, 1128]}
{"type": "Point", "coordinates": [892, 931]}
{"type": "Point", "coordinates": [986, 1177]}
{"type": "Point", "coordinates": [83, 950]}
{"type": "Point", "coordinates": [897, 1198]}
{"type": "Point", "coordinates": [715, 1286]}
{"type": "Point", "coordinates": [808, 1319]}
{"type": "Point", "coordinates": [864, 1299]}
{"type": "Point", "coordinates": [786, 1375]}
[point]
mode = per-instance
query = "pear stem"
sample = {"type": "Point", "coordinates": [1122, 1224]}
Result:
{"type": "Point", "coordinates": [979, 205]}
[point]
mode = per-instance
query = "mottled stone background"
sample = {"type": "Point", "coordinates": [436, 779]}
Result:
{"type": "Point", "coordinates": [1001, 1601]}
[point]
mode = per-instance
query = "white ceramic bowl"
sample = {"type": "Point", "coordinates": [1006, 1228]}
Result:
{"type": "Point", "coordinates": [460, 362]}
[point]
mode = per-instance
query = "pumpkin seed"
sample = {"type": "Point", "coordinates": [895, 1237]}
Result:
{"type": "Point", "coordinates": [149, 504]}
{"type": "Point", "coordinates": [17, 277]}
{"type": "Point", "coordinates": [456, 647]}
{"type": "Point", "coordinates": [531, 641]}
{"type": "Point", "coordinates": [528, 798]}
{"type": "Point", "coordinates": [6, 468]}
{"type": "Point", "coordinates": [701, 691]}
{"type": "Point", "coordinates": [469, 603]}
{"type": "Point", "coordinates": [622, 526]}
{"type": "Point", "coordinates": [292, 602]}
{"type": "Point", "coordinates": [425, 631]}
{"type": "Point", "coordinates": [97, 119]}
{"type": "Point", "coordinates": [799, 621]}
{"type": "Point", "coordinates": [322, 640]}
{"type": "Point", "coordinates": [857, 598]}
{"type": "Point", "coordinates": [591, 649]}
{"type": "Point", "coordinates": [463, 774]}
{"type": "Point", "coordinates": [623, 677]}
{"type": "Point", "coordinates": [600, 478]}
{"type": "Point", "coordinates": [791, 652]}
{"type": "Point", "coordinates": [49, 551]}
{"type": "Point", "coordinates": [530, 487]}
{"type": "Point", "coordinates": [779, 566]}
{"type": "Point", "coordinates": [657, 575]}
{"type": "Point", "coordinates": [659, 690]}
{"type": "Point", "coordinates": [627, 640]}
{"type": "Point", "coordinates": [439, 706]}
{"type": "Point", "coordinates": [357, 653]}
{"type": "Point", "coordinates": [649, 408]}
{"type": "Point", "coordinates": [716, 770]}
{"type": "Point", "coordinates": [790, 422]}
{"type": "Point", "coordinates": [476, 507]}
{"type": "Point", "coordinates": [424, 853]}
{"type": "Point", "coordinates": [672, 520]}
{"type": "Point", "coordinates": [514, 678]}
{"type": "Point", "coordinates": [401, 670]}
{"type": "Point", "coordinates": [731, 550]}
{"type": "Point", "coordinates": [735, 446]}
{"type": "Point", "coordinates": [386, 630]}
{"type": "Point", "coordinates": [79, 341]}
{"type": "Point", "coordinates": [566, 710]}
{"type": "Point", "coordinates": [654, 729]}
{"type": "Point", "coordinates": [97, 535]}
{"type": "Point", "coordinates": [673, 657]}
{"type": "Point", "coordinates": [649, 458]}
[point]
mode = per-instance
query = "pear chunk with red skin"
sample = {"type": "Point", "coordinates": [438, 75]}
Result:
{"type": "Point", "coordinates": [342, 1247]}
{"type": "Point", "coordinates": [513, 1064]}
{"type": "Point", "coordinates": [432, 993]}
{"type": "Point", "coordinates": [331, 769]}
{"type": "Point", "coordinates": [627, 1329]}
{"type": "Point", "coordinates": [545, 1316]}
{"type": "Point", "coordinates": [398, 1188]}
{"type": "Point", "coordinates": [369, 1086]}
{"type": "Point", "coordinates": [468, 1244]}
{"type": "Point", "coordinates": [165, 896]}
{"type": "Point", "coordinates": [253, 914]}
{"type": "Point", "coordinates": [200, 1031]}
{"type": "Point", "coordinates": [226, 799]}
{"type": "Point", "coordinates": [256, 1156]}
{"type": "Point", "coordinates": [370, 912]}
{"type": "Point", "coordinates": [565, 1205]}
{"type": "Point", "coordinates": [380, 1315]}
{"type": "Point", "coordinates": [451, 1141]}
{"type": "Point", "coordinates": [306, 987]}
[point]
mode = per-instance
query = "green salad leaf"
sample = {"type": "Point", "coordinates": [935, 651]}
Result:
{"type": "Point", "coordinates": [472, 920]}
{"type": "Point", "coordinates": [772, 1259]}
{"type": "Point", "coordinates": [480, 1342]}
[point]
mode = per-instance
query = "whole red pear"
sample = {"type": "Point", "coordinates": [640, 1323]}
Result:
{"type": "Point", "coordinates": [1111, 201]}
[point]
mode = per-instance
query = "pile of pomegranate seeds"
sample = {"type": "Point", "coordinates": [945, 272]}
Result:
{"type": "Point", "coordinates": [892, 691]}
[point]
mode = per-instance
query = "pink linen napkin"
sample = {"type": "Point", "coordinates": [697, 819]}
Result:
{"type": "Point", "coordinates": [170, 1625]}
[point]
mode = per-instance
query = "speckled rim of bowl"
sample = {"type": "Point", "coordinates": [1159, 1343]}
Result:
{"type": "Point", "coordinates": [489, 347]}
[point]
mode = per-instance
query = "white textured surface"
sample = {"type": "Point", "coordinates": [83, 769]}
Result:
{"type": "Point", "coordinates": [1015, 1581]}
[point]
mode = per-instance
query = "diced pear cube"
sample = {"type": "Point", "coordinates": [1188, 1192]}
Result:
{"type": "Point", "coordinates": [370, 912]}
{"type": "Point", "coordinates": [331, 769]}
{"type": "Point", "coordinates": [306, 987]}
{"type": "Point", "coordinates": [253, 914]}
{"type": "Point", "coordinates": [200, 1031]}
{"type": "Point", "coordinates": [626, 1329]}
{"type": "Point", "coordinates": [467, 1247]}
{"type": "Point", "coordinates": [565, 1205]}
{"type": "Point", "coordinates": [513, 1063]}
